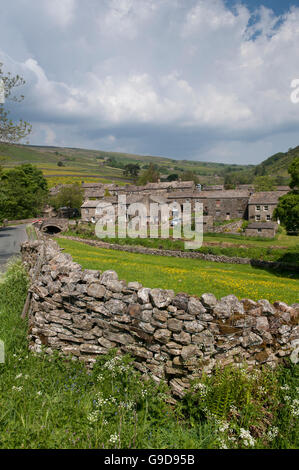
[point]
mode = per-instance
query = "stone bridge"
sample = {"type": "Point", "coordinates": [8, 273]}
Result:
{"type": "Point", "coordinates": [54, 225]}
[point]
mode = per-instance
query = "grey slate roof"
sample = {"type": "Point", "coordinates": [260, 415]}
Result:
{"type": "Point", "coordinates": [266, 197]}
{"type": "Point", "coordinates": [255, 225]}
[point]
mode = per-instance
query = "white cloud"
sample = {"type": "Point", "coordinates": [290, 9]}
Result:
{"type": "Point", "coordinates": [60, 11]}
{"type": "Point", "coordinates": [137, 74]}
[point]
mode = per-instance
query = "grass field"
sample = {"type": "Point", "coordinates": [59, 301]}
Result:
{"type": "Point", "coordinates": [188, 275]}
{"type": "Point", "coordinates": [282, 249]}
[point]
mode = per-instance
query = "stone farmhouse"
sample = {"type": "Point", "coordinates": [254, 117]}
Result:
{"type": "Point", "coordinates": [261, 205]}
{"type": "Point", "coordinates": [221, 205]}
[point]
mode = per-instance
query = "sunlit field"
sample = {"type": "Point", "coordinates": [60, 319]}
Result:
{"type": "Point", "coordinates": [188, 275]}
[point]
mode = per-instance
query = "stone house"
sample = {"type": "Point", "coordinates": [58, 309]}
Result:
{"type": "Point", "coordinates": [221, 205]}
{"type": "Point", "coordinates": [261, 205]}
{"type": "Point", "coordinates": [261, 229]}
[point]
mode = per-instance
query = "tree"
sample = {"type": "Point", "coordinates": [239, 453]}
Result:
{"type": "Point", "coordinates": [69, 196]}
{"type": "Point", "coordinates": [131, 169]}
{"type": "Point", "coordinates": [151, 175]}
{"type": "Point", "coordinates": [264, 183]}
{"type": "Point", "coordinates": [23, 192]}
{"type": "Point", "coordinates": [287, 210]}
{"type": "Point", "coordinates": [11, 131]}
{"type": "Point", "coordinates": [294, 172]}
{"type": "Point", "coordinates": [189, 176]}
{"type": "Point", "coordinates": [172, 177]}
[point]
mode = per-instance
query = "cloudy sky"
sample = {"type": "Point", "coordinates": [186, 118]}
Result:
{"type": "Point", "coordinates": [205, 80]}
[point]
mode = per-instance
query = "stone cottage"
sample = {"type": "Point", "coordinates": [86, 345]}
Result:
{"type": "Point", "coordinates": [261, 205]}
{"type": "Point", "coordinates": [261, 229]}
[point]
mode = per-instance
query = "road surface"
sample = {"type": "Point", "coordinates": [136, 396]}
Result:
{"type": "Point", "coordinates": [10, 241]}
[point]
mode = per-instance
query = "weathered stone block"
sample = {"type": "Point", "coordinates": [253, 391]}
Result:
{"type": "Point", "coordinates": [92, 349]}
{"type": "Point", "coordinates": [162, 335]}
{"type": "Point", "coordinates": [267, 308]}
{"type": "Point", "coordinates": [195, 306]}
{"type": "Point", "coordinates": [143, 295]}
{"type": "Point", "coordinates": [161, 298]}
{"type": "Point", "coordinates": [189, 351]}
{"type": "Point", "coordinates": [107, 276]}
{"type": "Point", "coordinates": [208, 300]}
{"type": "Point", "coordinates": [193, 326]}
{"type": "Point", "coordinates": [183, 337]}
{"type": "Point", "coordinates": [97, 290]}
{"type": "Point", "coordinates": [175, 325]}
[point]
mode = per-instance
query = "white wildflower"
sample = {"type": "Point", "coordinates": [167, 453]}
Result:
{"type": "Point", "coordinates": [272, 433]}
{"type": "Point", "coordinates": [295, 408]}
{"type": "Point", "coordinates": [223, 427]}
{"type": "Point", "coordinates": [201, 388]}
{"type": "Point", "coordinates": [113, 438]}
{"type": "Point", "coordinates": [93, 416]}
{"type": "Point", "coordinates": [223, 445]}
{"type": "Point", "coordinates": [247, 438]}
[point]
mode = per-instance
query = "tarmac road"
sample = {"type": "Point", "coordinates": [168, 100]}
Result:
{"type": "Point", "coordinates": [10, 242]}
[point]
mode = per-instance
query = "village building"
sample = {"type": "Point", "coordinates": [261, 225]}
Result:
{"type": "Point", "coordinates": [221, 205]}
{"type": "Point", "coordinates": [93, 210]}
{"type": "Point", "coordinates": [261, 229]}
{"type": "Point", "coordinates": [261, 205]}
{"type": "Point", "coordinates": [213, 187]}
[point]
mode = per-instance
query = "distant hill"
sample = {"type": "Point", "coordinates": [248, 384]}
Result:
{"type": "Point", "coordinates": [277, 164]}
{"type": "Point", "coordinates": [65, 165]}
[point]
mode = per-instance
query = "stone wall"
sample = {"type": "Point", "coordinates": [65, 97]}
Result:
{"type": "Point", "coordinates": [233, 227]}
{"type": "Point", "coordinates": [171, 336]}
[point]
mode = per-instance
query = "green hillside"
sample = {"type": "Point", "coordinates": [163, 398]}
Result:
{"type": "Point", "coordinates": [277, 164]}
{"type": "Point", "coordinates": [65, 165]}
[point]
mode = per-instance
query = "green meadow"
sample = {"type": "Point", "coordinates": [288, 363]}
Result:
{"type": "Point", "coordinates": [193, 276]}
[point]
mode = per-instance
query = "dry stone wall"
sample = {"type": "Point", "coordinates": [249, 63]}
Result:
{"type": "Point", "coordinates": [171, 336]}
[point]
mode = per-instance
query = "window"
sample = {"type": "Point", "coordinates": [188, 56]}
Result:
{"type": "Point", "coordinates": [218, 203]}
{"type": "Point", "coordinates": [257, 208]}
{"type": "Point", "coordinates": [259, 230]}
{"type": "Point", "coordinates": [268, 217]}
{"type": "Point", "coordinates": [266, 208]}
{"type": "Point", "coordinates": [217, 213]}
{"type": "Point", "coordinates": [258, 217]}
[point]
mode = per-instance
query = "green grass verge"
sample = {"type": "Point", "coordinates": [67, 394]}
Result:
{"type": "Point", "coordinates": [193, 276]}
